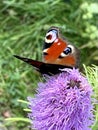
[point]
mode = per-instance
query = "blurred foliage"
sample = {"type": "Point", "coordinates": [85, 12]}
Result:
{"type": "Point", "coordinates": [92, 75]}
{"type": "Point", "coordinates": [23, 24]}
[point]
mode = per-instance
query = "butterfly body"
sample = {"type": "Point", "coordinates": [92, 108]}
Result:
{"type": "Point", "coordinates": [58, 54]}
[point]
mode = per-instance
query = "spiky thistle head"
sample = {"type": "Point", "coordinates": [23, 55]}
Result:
{"type": "Point", "coordinates": [63, 102]}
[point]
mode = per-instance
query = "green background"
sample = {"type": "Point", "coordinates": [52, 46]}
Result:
{"type": "Point", "coordinates": [23, 25]}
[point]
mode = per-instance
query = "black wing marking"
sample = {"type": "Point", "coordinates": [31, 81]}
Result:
{"type": "Point", "coordinates": [43, 68]}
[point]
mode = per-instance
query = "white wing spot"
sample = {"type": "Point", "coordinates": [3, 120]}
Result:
{"type": "Point", "coordinates": [59, 43]}
{"type": "Point", "coordinates": [62, 54]}
{"type": "Point", "coordinates": [56, 40]}
{"type": "Point", "coordinates": [45, 50]}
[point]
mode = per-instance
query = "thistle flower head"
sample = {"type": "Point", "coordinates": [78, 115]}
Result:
{"type": "Point", "coordinates": [63, 102]}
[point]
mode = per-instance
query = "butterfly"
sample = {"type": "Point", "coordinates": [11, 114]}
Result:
{"type": "Point", "coordinates": [58, 54]}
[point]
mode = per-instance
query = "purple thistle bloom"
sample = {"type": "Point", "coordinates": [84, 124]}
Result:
{"type": "Point", "coordinates": [63, 102]}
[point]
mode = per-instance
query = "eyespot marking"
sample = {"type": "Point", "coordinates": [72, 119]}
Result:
{"type": "Point", "coordinates": [68, 50]}
{"type": "Point", "coordinates": [51, 36]}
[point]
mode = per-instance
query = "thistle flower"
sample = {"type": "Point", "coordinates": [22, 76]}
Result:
{"type": "Point", "coordinates": [63, 102]}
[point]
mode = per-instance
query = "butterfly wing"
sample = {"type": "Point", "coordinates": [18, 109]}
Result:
{"type": "Point", "coordinates": [34, 63]}
{"type": "Point", "coordinates": [58, 53]}
{"type": "Point", "coordinates": [44, 68]}
{"type": "Point", "coordinates": [57, 50]}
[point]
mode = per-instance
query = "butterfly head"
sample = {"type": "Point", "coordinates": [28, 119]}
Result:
{"type": "Point", "coordinates": [57, 50]}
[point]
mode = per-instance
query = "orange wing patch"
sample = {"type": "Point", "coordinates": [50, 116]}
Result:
{"type": "Point", "coordinates": [54, 51]}
{"type": "Point", "coordinates": [68, 60]}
